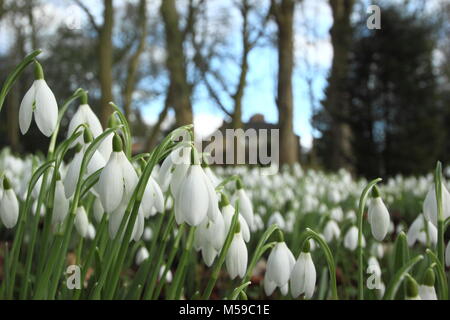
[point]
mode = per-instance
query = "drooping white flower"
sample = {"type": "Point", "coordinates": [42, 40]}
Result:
{"type": "Point", "coordinates": [73, 172]}
{"type": "Point", "coordinates": [209, 238]}
{"type": "Point", "coordinates": [426, 289]}
{"type": "Point", "coordinates": [84, 115]}
{"type": "Point", "coordinates": [117, 180]}
{"type": "Point", "coordinates": [276, 218]}
{"type": "Point", "coordinates": [279, 267]}
{"type": "Point", "coordinates": [81, 222]}
{"type": "Point", "coordinates": [98, 210]}
{"type": "Point", "coordinates": [91, 232]}
{"type": "Point", "coordinates": [196, 197]}
{"type": "Point", "coordinates": [351, 239]}
{"type": "Point", "coordinates": [237, 257]}
{"type": "Point", "coordinates": [418, 232]}
{"type": "Point", "coordinates": [228, 213]}
{"type": "Point", "coordinates": [9, 206]}
{"type": "Point", "coordinates": [141, 255]}
{"type": "Point", "coordinates": [40, 102]}
{"type": "Point", "coordinates": [374, 266]}
{"type": "Point", "coordinates": [303, 275]}
{"type": "Point", "coordinates": [245, 205]}
{"type": "Point", "coordinates": [60, 203]}
{"type": "Point", "coordinates": [116, 217]}
{"type": "Point", "coordinates": [430, 204]}
{"type": "Point", "coordinates": [153, 198]}
{"type": "Point", "coordinates": [378, 218]}
{"type": "Point", "coordinates": [331, 231]}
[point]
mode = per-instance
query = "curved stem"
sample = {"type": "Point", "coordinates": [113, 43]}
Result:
{"type": "Point", "coordinates": [442, 279]}
{"type": "Point", "coordinates": [395, 282]}
{"type": "Point", "coordinates": [361, 208]}
{"type": "Point", "coordinates": [311, 234]}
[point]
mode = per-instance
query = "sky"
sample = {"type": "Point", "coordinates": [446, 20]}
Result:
{"type": "Point", "coordinates": [311, 41]}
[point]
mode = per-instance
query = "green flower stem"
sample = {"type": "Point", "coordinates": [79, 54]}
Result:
{"type": "Point", "coordinates": [151, 283]}
{"type": "Point", "coordinates": [168, 265]}
{"type": "Point", "coordinates": [127, 131]}
{"type": "Point", "coordinates": [18, 240]}
{"type": "Point", "coordinates": [223, 254]}
{"type": "Point", "coordinates": [398, 278]}
{"type": "Point", "coordinates": [442, 279]}
{"type": "Point", "coordinates": [15, 74]}
{"type": "Point", "coordinates": [311, 234]}
{"type": "Point", "coordinates": [440, 214]}
{"type": "Point", "coordinates": [362, 205]}
{"type": "Point", "coordinates": [241, 289]}
{"type": "Point", "coordinates": [90, 257]}
{"type": "Point", "coordinates": [177, 281]}
{"type": "Point", "coordinates": [259, 251]}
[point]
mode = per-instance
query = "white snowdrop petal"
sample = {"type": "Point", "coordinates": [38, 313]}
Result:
{"type": "Point", "coordinates": [46, 112]}
{"type": "Point", "coordinates": [26, 110]}
{"type": "Point", "coordinates": [111, 184]}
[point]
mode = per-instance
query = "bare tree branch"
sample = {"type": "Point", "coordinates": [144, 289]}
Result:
{"type": "Point", "coordinates": [89, 15]}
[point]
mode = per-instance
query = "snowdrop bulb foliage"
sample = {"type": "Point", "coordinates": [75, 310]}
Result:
{"type": "Point", "coordinates": [245, 205]}
{"type": "Point", "coordinates": [237, 257]}
{"type": "Point", "coordinates": [378, 218]}
{"type": "Point", "coordinates": [303, 275]}
{"type": "Point", "coordinates": [117, 180]}
{"type": "Point", "coordinates": [9, 206]}
{"type": "Point", "coordinates": [40, 102]}
{"type": "Point", "coordinates": [430, 204]}
{"type": "Point", "coordinates": [331, 231]}
{"type": "Point", "coordinates": [81, 222]}
{"type": "Point", "coordinates": [279, 267]}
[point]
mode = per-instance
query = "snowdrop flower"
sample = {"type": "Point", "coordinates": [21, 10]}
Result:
{"type": "Point", "coordinates": [331, 231]}
{"type": "Point", "coordinates": [73, 172]}
{"type": "Point", "coordinates": [174, 168]}
{"type": "Point", "coordinates": [91, 232]}
{"type": "Point", "coordinates": [377, 250]}
{"type": "Point", "coordinates": [168, 274]}
{"type": "Point", "coordinates": [245, 205]}
{"type": "Point", "coordinates": [237, 257]}
{"type": "Point", "coordinates": [147, 235]}
{"type": "Point", "coordinates": [418, 232]}
{"type": "Point", "coordinates": [351, 239]}
{"type": "Point", "coordinates": [374, 266]}
{"type": "Point", "coordinates": [427, 290]}
{"type": "Point", "coordinates": [81, 222]}
{"type": "Point", "coordinates": [412, 289]}
{"type": "Point", "coordinates": [378, 216]}
{"type": "Point", "coordinates": [60, 203]}
{"type": "Point", "coordinates": [40, 102]}
{"type": "Point", "coordinates": [141, 255]}
{"type": "Point", "coordinates": [209, 238]}
{"type": "Point", "coordinates": [84, 115]}
{"type": "Point", "coordinates": [9, 206]}
{"type": "Point", "coordinates": [98, 210]}
{"type": "Point", "coordinates": [228, 213]}
{"type": "Point", "coordinates": [277, 218]}
{"type": "Point", "coordinates": [279, 267]}
{"type": "Point", "coordinates": [303, 276]}
{"type": "Point", "coordinates": [117, 180]}
{"type": "Point", "coordinates": [196, 197]}
{"type": "Point", "coordinates": [153, 198]}
{"type": "Point", "coordinates": [430, 204]}
{"type": "Point", "coordinates": [212, 177]}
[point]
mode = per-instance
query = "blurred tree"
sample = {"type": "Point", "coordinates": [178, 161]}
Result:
{"type": "Point", "coordinates": [216, 79]}
{"type": "Point", "coordinates": [336, 104]}
{"type": "Point", "coordinates": [392, 94]}
{"type": "Point", "coordinates": [283, 12]}
{"type": "Point", "coordinates": [179, 92]}
{"type": "Point", "coordinates": [105, 55]}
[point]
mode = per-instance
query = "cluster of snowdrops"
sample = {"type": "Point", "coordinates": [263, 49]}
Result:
{"type": "Point", "coordinates": [131, 223]}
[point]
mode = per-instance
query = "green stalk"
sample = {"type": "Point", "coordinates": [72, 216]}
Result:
{"type": "Point", "coordinates": [362, 205]}
{"type": "Point", "coordinates": [398, 278]}
{"type": "Point", "coordinates": [15, 74]}
{"type": "Point", "coordinates": [180, 269]}
{"type": "Point", "coordinates": [223, 254]}
{"type": "Point", "coordinates": [440, 214]}
{"type": "Point", "coordinates": [173, 252]}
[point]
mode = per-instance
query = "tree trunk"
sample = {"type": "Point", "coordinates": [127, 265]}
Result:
{"type": "Point", "coordinates": [176, 64]}
{"type": "Point", "coordinates": [284, 16]}
{"type": "Point", "coordinates": [105, 52]}
{"type": "Point", "coordinates": [337, 98]}
{"type": "Point", "coordinates": [133, 64]}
